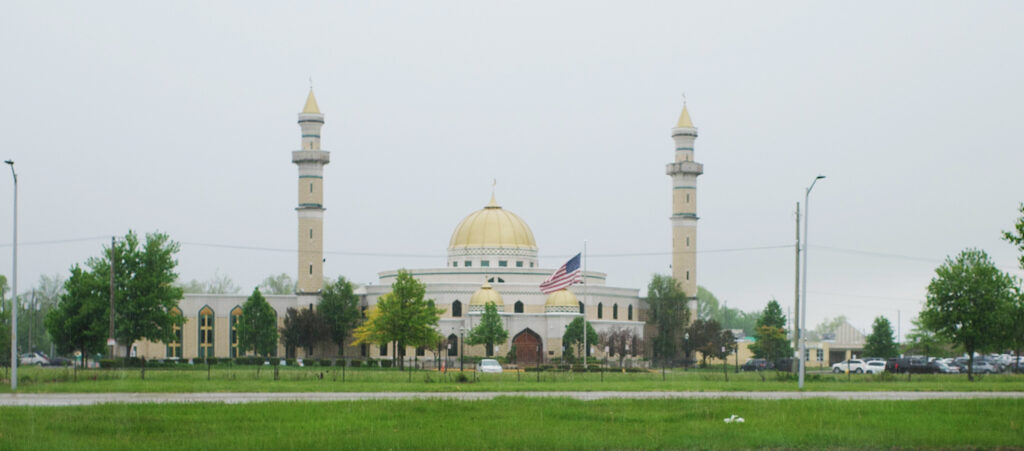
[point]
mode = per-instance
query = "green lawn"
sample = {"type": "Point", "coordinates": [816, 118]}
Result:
{"type": "Point", "coordinates": [245, 379]}
{"type": "Point", "coordinates": [521, 423]}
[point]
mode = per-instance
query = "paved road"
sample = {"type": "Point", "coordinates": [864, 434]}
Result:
{"type": "Point", "coordinates": [78, 399]}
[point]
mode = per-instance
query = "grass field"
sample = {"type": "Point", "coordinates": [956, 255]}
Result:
{"type": "Point", "coordinates": [245, 379]}
{"type": "Point", "coordinates": [521, 423]}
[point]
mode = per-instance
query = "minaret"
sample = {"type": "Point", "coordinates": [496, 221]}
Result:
{"type": "Point", "coordinates": [311, 161]}
{"type": "Point", "coordinates": [684, 172]}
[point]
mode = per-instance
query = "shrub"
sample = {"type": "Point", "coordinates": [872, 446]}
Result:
{"type": "Point", "coordinates": [385, 364]}
{"type": "Point", "coordinates": [356, 363]}
{"type": "Point", "coordinates": [327, 362]}
{"type": "Point", "coordinates": [289, 362]}
{"type": "Point", "coordinates": [461, 377]}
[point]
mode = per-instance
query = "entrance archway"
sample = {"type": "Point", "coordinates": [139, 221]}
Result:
{"type": "Point", "coordinates": [529, 347]}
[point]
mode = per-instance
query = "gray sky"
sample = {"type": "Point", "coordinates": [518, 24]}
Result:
{"type": "Point", "coordinates": [180, 117]}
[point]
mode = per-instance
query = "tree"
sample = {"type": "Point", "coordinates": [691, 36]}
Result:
{"type": "Point", "coordinates": [668, 314]}
{"type": "Point", "coordinates": [705, 337]}
{"type": "Point", "coordinates": [489, 331]}
{"type": "Point", "coordinates": [1016, 237]}
{"type": "Point", "coordinates": [290, 332]}
{"type": "Point", "coordinates": [708, 307]}
{"type": "Point", "coordinates": [880, 341]}
{"type": "Point", "coordinates": [279, 284]}
{"type": "Point", "coordinates": [80, 319]}
{"type": "Point", "coordinates": [217, 284]}
{"type": "Point", "coordinates": [303, 328]}
{"type": "Point", "coordinates": [771, 337]}
{"type": "Point", "coordinates": [5, 323]}
{"type": "Point", "coordinates": [339, 307]}
{"type": "Point", "coordinates": [921, 340]}
{"type": "Point", "coordinates": [257, 326]}
{"type": "Point", "coordinates": [968, 302]}
{"type": "Point", "coordinates": [402, 316]}
{"type": "Point", "coordinates": [573, 336]}
{"type": "Point", "coordinates": [620, 342]}
{"type": "Point", "coordinates": [826, 326]}
{"type": "Point", "coordinates": [144, 288]}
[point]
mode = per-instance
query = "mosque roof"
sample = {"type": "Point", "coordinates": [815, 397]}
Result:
{"type": "Point", "coordinates": [486, 294]}
{"type": "Point", "coordinates": [493, 227]}
{"type": "Point", "coordinates": [562, 298]}
{"type": "Point", "coordinates": [311, 106]}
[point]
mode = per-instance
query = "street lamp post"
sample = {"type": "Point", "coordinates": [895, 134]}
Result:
{"type": "Point", "coordinates": [686, 348]}
{"type": "Point", "coordinates": [462, 348]}
{"type": "Point", "coordinates": [14, 287]}
{"type": "Point", "coordinates": [803, 304]}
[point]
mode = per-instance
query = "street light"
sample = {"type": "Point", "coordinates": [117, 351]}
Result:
{"type": "Point", "coordinates": [462, 347]}
{"type": "Point", "coordinates": [686, 348]}
{"type": "Point", "coordinates": [803, 304]}
{"type": "Point", "coordinates": [14, 287]}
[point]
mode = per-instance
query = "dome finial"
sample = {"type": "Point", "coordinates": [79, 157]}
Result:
{"type": "Point", "coordinates": [494, 202]}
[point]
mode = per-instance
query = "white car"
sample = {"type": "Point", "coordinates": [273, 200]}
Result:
{"type": "Point", "coordinates": [874, 367]}
{"type": "Point", "coordinates": [852, 365]}
{"type": "Point", "coordinates": [489, 366]}
{"type": "Point", "coordinates": [34, 358]}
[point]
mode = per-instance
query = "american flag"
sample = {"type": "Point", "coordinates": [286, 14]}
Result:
{"type": "Point", "coordinates": [567, 275]}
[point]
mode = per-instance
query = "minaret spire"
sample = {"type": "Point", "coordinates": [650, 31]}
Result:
{"type": "Point", "coordinates": [684, 172]}
{"type": "Point", "coordinates": [310, 160]}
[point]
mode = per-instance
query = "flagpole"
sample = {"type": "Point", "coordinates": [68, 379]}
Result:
{"type": "Point", "coordinates": [585, 299]}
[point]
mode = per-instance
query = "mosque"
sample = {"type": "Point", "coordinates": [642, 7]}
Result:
{"type": "Point", "coordinates": [492, 257]}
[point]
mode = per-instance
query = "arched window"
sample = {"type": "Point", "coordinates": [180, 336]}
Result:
{"type": "Point", "coordinates": [205, 332]}
{"type": "Point", "coordinates": [518, 307]}
{"type": "Point", "coordinates": [615, 311]}
{"type": "Point", "coordinates": [629, 311]}
{"type": "Point", "coordinates": [600, 310]}
{"type": "Point", "coordinates": [453, 345]}
{"type": "Point", "coordinates": [236, 313]}
{"type": "Point", "coordinates": [174, 347]}
{"type": "Point", "coordinates": [456, 309]}
{"type": "Point", "coordinates": [582, 310]}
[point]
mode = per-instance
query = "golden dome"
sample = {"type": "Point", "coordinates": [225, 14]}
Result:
{"type": "Point", "coordinates": [493, 227]}
{"type": "Point", "coordinates": [486, 294]}
{"type": "Point", "coordinates": [562, 298]}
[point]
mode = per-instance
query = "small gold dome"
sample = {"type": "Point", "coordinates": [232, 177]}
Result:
{"type": "Point", "coordinates": [562, 298]}
{"type": "Point", "coordinates": [492, 226]}
{"type": "Point", "coordinates": [486, 294]}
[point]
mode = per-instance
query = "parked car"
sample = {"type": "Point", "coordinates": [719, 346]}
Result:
{"type": "Point", "coordinates": [59, 361]}
{"type": "Point", "coordinates": [489, 366]}
{"type": "Point", "coordinates": [874, 367]}
{"type": "Point", "coordinates": [756, 365]}
{"type": "Point", "coordinates": [852, 365]}
{"type": "Point", "coordinates": [34, 358]}
{"type": "Point", "coordinates": [909, 365]}
{"type": "Point", "coordinates": [943, 368]}
{"type": "Point", "coordinates": [981, 366]}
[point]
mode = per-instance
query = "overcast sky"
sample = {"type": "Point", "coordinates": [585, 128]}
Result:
{"type": "Point", "coordinates": [181, 116]}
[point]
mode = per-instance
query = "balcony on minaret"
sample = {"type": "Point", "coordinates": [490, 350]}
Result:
{"type": "Point", "coordinates": [684, 167]}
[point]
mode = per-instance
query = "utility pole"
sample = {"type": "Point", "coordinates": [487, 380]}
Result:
{"type": "Point", "coordinates": [796, 294]}
{"type": "Point", "coordinates": [111, 341]}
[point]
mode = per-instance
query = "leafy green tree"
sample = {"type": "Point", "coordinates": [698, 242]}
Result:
{"type": "Point", "coordinates": [279, 284]}
{"type": "Point", "coordinates": [1016, 331]}
{"type": "Point", "coordinates": [771, 337]}
{"type": "Point", "coordinates": [339, 307]}
{"type": "Point", "coordinates": [704, 336]}
{"type": "Point", "coordinates": [668, 314]}
{"type": "Point", "coordinates": [1016, 236]}
{"type": "Point", "coordinates": [291, 333]}
{"type": "Point", "coordinates": [80, 320]}
{"type": "Point", "coordinates": [145, 291]}
{"type": "Point", "coordinates": [921, 340]}
{"type": "Point", "coordinates": [969, 302]}
{"type": "Point", "coordinates": [489, 331]}
{"type": "Point", "coordinates": [257, 326]}
{"type": "Point", "coordinates": [880, 341]}
{"type": "Point", "coordinates": [573, 336]}
{"type": "Point", "coordinates": [402, 316]}
{"type": "Point", "coordinates": [5, 323]}
{"type": "Point", "coordinates": [708, 307]}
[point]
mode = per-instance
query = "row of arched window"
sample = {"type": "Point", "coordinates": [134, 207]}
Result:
{"type": "Point", "coordinates": [206, 331]}
{"type": "Point", "coordinates": [518, 308]}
